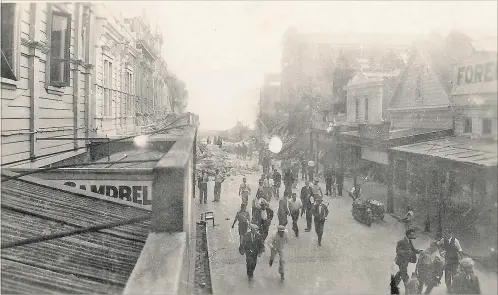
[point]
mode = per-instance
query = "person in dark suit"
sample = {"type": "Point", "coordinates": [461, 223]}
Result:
{"type": "Point", "coordinates": [266, 218]}
{"type": "Point", "coordinates": [466, 282]}
{"type": "Point", "coordinates": [405, 254]}
{"type": "Point", "coordinates": [320, 211]}
{"type": "Point", "coordinates": [252, 246]}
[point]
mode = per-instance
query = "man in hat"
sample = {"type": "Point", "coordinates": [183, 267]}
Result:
{"type": "Point", "coordinates": [204, 185]}
{"type": "Point", "coordinates": [288, 181]}
{"type": "Point", "coordinates": [277, 181]}
{"type": "Point", "coordinates": [244, 191]}
{"type": "Point", "coordinates": [316, 189]}
{"type": "Point", "coordinates": [252, 246]}
{"type": "Point", "coordinates": [429, 268]}
{"type": "Point", "coordinates": [283, 210]}
{"type": "Point", "coordinates": [218, 180]}
{"type": "Point", "coordinates": [466, 282]}
{"type": "Point", "coordinates": [256, 203]}
{"type": "Point", "coordinates": [266, 218]}
{"type": "Point", "coordinates": [276, 245]}
{"type": "Point", "coordinates": [295, 205]}
{"type": "Point", "coordinates": [452, 255]}
{"type": "Point", "coordinates": [405, 254]}
{"type": "Point", "coordinates": [320, 212]}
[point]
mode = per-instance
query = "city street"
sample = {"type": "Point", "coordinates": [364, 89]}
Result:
{"type": "Point", "coordinates": [353, 258]}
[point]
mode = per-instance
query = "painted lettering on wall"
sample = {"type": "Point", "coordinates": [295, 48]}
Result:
{"type": "Point", "coordinates": [477, 73]}
{"type": "Point", "coordinates": [138, 194]}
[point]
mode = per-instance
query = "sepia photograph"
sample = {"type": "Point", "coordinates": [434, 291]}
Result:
{"type": "Point", "coordinates": [249, 147]}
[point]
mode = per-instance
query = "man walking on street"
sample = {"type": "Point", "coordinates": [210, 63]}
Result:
{"type": "Point", "coordinates": [304, 169]}
{"type": "Point", "coordinates": [329, 180]}
{"type": "Point", "coordinates": [276, 245]}
{"type": "Point", "coordinates": [316, 190]}
{"type": "Point", "coordinates": [452, 255]}
{"type": "Point", "coordinates": [244, 191]}
{"type": "Point", "coordinates": [265, 221]}
{"type": "Point", "coordinates": [277, 181]}
{"type": "Point", "coordinates": [295, 205]}
{"type": "Point", "coordinates": [405, 254]}
{"type": "Point", "coordinates": [252, 247]}
{"type": "Point", "coordinates": [288, 181]}
{"type": "Point", "coordinates": [244, 151]}
{"type": "Point", "coordinates": [340, 182]}
{"type": "Point", "coordinates": [466, 282]}
{"type": "Point", "coordinates": [283, 211]}
{"type": "Point", "coordinates": [305, 196]}
{"type": "Point", "coordinates": [256, 204]}
{"type": "Point", "coordinates": [243, 218]}
{"type": "Point", "coordinates": [320, 212]}
{"type": "Point", "coordinates": [218, 180]}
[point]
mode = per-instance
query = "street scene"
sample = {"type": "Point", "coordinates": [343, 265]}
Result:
{"type": "Point", "coordinates": [249, 147]}
{"type": "Point", "coordinates": [353, 259]}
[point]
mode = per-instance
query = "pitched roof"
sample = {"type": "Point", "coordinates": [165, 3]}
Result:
{"type": "Point", "coordinates": [94, 262]}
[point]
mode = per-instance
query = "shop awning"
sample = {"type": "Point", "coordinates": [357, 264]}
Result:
{"type": "Point", "coordinates": [460, 149]}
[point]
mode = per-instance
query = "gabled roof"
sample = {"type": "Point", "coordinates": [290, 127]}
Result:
{"type": "Point", "coordinates": [95, 262]}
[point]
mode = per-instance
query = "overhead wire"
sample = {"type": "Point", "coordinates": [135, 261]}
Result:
{"type": "Point", "coordinates": [94, 145]}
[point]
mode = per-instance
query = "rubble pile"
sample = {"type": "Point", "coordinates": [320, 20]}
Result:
{"type": "Point", "coordinates": [213, 158]}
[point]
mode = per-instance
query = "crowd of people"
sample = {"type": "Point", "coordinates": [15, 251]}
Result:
{"type": "Point", "coordinates": [444, 256]}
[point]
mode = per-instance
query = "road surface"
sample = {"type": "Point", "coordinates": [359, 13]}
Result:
{"type": "Point", "coordinates": [353, 258]}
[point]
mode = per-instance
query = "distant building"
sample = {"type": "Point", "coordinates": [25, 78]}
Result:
{"type": "Point", "coordinates": [312, 63]}
{"type": "Point", "coordinates": [270, 94]}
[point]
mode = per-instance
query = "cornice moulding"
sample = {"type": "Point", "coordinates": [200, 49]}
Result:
{"type": "Point", "coordinates": [40, 45]}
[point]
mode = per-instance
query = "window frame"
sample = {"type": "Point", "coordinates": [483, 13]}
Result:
{"type": "Point", "coordinates": [490, 126]}
{"type": "Point", "coordinates": [16, 68]}
{"type": "Point", "coordinates": [366, 109]}
{"type": "Point", "coordinates": [67, 57]}
{"type": "Point", "coordinates": [107, 90]}
{"type": "Point", "coordinates": [357, 108]}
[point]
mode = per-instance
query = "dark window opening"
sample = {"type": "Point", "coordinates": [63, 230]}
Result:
{"type": "Point", "coordinates": [59, 49]}
{"type": "Point", "coordinates": [467, 125]}
{"type": "Point", "coordinates": [8, 41]}
{"type": "Point", "coordinates": [486, 126]}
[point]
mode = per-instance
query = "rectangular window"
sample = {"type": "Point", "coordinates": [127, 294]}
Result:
{"type": "Point", "coordinates": [107, 81]}
{"type": "Point", "coordinates": [9, 41]}
{"type": "Point", "coordinates": [486, 126]}
{"type": "Point", "coordinates": [60, 36]}
{"type": "Point", "coordinates": [129, 102]}
{"type": "Point", "coordinates": [366, 109]}
{"type": "Point", "coordinates": [467, 125]}
{"type": "Point", "coordinates": [357, 109]}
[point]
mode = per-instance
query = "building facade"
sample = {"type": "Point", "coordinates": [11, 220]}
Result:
{"type": "Point", "coordinates": [72, 72]}
{"type": "Point", "coordinates": [46, 78]}
{"type": "Point", "coordinates": [451, 182]}
{"type": "Point", "coordinates": [270, 94]}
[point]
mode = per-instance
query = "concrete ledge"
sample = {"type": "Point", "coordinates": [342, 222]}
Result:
{"type": "Point", "coordinates": [160, 265]}
{"type": "Point", "coordinates": [208, 250]}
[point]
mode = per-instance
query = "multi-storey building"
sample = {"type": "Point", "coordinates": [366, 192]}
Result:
{"type": "Point", "coordinates": [46, 78]}
{"type": "Point", "coordinates": [269, 94]}
{"type": "Point", "coordinates": [311, 63]}
{"type": "Point", "coordinates": [453, 177]}
{"type": "Point", "coordinates": [74, 71]}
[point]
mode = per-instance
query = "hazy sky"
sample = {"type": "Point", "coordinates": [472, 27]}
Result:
{"type": "Point", "coordinates": [222, 49]}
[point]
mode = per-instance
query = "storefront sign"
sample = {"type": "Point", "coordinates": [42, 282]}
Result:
{"type": "Point", "coordinates": [476, 76]}
{"type": "Point", "coordinates": [138, 192]}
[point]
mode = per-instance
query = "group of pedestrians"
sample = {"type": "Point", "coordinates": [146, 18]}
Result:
{"type": "Point", "coordinates": [442, 256]}
{"type": "Point", "coordinates": [243, 151]}
{"type": "Point", "coordinates": [254, 228]}
{"type": "Point", "coordinates": [202, 184]}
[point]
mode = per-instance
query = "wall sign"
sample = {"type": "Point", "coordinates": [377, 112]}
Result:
{"type": "Point", "coordinates": [138, 192]}
{"type": "Point", "coordinates": [477, 76]}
